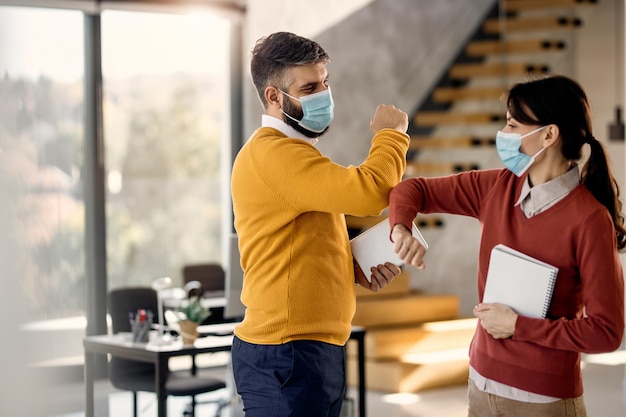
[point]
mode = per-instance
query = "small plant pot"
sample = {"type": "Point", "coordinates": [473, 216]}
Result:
{"type": "Point", "coordinates": [188, 331]}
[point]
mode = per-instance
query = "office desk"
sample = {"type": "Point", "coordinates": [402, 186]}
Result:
{"type": "Point", "coordinates": [219, 339]}
{"type": "Point", "coordinates": [120, 346]}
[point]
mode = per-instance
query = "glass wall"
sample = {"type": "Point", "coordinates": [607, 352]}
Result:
{"type": "Point", "coordinates": [165, 107]}
{"type": "Point", "coordinates": [41, 143]}
{"type": "Point", "coordinates": [166, 118]}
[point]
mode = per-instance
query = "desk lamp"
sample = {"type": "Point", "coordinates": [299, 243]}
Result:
{"type": "Point", "coordinates": [192, 288]}
{"type": "Point", "coordinates": [158, 285]}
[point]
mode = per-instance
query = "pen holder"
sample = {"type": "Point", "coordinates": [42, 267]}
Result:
{"type": "Point", "coordinates": [141, 331]}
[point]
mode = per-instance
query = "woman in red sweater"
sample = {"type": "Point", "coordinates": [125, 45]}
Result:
{"type": "Point", "coordinates": [544, 205]}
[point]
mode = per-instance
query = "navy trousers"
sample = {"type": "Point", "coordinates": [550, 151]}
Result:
{"type": "Point", "coordinates": [297, 379]}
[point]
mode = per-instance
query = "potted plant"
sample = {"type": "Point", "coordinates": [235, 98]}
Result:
{"type": "Point", "coordinates": [190, 315]}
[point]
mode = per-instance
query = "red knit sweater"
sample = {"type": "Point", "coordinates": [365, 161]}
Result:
{"type": "Point", "coordinates": [576, 235]}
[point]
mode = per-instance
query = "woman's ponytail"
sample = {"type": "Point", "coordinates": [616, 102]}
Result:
{"type": "Point", "coordinates": [596, 176]}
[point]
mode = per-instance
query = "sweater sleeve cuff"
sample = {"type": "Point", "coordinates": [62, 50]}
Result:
{"type": "Point", "coordinates": [522, 326]}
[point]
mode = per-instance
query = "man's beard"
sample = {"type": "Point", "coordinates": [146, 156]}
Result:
{"type": "Point", "coordinates": [296, 112]}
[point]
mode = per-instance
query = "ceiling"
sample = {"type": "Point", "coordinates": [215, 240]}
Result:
{"type": "Point", "coordinates": [234, 5]}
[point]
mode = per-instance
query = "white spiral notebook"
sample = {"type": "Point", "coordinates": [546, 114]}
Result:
{"type": "Point", "coordinates": [523, 283]}
{"type": "Point", "coordinates": [373, 247]}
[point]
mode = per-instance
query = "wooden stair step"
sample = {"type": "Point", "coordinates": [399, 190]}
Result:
{"type": "Point", "coordinates": [432, 118]}
{"type": "Point", "coordinates": [431, 142]}
{"type": "Point", "coordinates": [444, 369]}
{"type": "Point", "coordinates": [522, 5]}
{"type": "Point", "coordinates": [437, 356]}
{"type": "Point", "coordinates": [496, 47]}
{"type": "Point", "coordinates": [470, 70]}
{"type": "Point", "coordinates": [427, 222]}
{"type": "Point", "coordinates": [413, 308]}
{"type": "Point", "coordinates": [364, 223]}
{"type": "Point", "coordinates": [516, 24]}
{"type": "Point", "coordinates": [401, 343]}
{"type": "Point", "coordinates": [449, 94]}
{"type": "Point", "coordinates": [426, 168]}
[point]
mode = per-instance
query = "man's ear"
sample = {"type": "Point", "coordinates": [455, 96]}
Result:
{"type": "Point", "coordinates": [272, 97]}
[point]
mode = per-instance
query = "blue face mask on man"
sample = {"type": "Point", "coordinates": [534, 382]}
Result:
{"type": "Point", "coordinates": [508, 145]}
{"type": "Point", "coordinates": [317, 110]}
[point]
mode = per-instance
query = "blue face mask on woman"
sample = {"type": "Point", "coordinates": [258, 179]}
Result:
{"type": "Point", "coordinates": [508, 145]}
{"type": "Point", "coordinates": [317, 110]}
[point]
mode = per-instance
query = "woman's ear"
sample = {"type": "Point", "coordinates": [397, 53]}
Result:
{"type": "Point", "coordinates": [552, 135]}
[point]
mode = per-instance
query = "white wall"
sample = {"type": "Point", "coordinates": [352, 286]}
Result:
{"type": "Point", "coordinates": [383, 51]}
{"type": "Point", "coordinates": [303, 17]}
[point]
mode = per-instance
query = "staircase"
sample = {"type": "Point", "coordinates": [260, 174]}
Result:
{"type": "Point", "coordinates": [413, 341]}
{"type": "Point", "coordinates": [519, 39]}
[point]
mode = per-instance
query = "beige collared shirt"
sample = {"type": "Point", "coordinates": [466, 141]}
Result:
{"type": "Point", "coordinates": [534, 200]}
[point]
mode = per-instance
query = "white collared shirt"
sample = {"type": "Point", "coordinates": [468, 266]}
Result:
{"type": "Point", "coordinates": [284, 128]}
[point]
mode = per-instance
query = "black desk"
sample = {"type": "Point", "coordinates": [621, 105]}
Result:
{"type": "Point", "coordinates": [219, 339]}
{"type": "Point", "coordinates": [120, 346]}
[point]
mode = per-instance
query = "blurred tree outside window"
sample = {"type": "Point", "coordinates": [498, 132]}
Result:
{"type": "Point", "coordinates": [165, 95]}
{"type": "Point", "coordinates": [41, 145]}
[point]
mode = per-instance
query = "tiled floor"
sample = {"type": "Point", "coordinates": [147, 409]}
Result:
{"type": "Point", "coordinates": [605, 396]}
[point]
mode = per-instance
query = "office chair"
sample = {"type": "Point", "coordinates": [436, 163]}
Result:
{"type": "Point", "coordinates": [212, 279]}
{"type": "Point", "coordinates": [138, 376]}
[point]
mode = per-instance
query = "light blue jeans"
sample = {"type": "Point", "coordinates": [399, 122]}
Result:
{"type": "Point", "coordinates": [483, 404]}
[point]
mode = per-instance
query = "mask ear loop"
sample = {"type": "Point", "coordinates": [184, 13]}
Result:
{"type": "Point", "coordinates": [281, 107]}
{"type": "Point", "coordinates": [533, 158]}
{"type": "Point", "coordinates": [537, 154]}
{"type": "Point", "coordinates": [534, 131]}
{"type": "Point", "coordinates": [543, 148]}
{"type": "Point", "coordinates": [289, 95]}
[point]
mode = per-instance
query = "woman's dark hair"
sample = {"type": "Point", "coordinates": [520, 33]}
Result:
{"type": "Point", "coordinates": [562, 101]}
{"type": "Point", "coordinates": [272, 55]}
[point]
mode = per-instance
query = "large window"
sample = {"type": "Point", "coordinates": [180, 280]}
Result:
{"type": "Point", "coordinates": [165, 111]}
{"type": "Point", "coordinates": [166, 123]}
{"type": "Point", "coordinates": [41, 144]}
{"type": "Point", "coordinates": [165, 106]}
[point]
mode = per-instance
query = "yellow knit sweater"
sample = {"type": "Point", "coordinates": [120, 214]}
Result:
{"type": "Point", "coordinates": [289, 203]}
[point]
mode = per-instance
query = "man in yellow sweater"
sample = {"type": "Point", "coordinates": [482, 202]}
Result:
{"type": "Point", "coordinates": [289, 204]}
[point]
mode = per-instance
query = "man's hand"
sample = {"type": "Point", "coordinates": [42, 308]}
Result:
{"type": "Point", "coordinates": [407, 247]}
{"type": "Point", "coordinates": [381, 276]}
{"type": "Point", "coordinates": [388, 117]}
{"type": "Point", "coordinates": [497, 319]}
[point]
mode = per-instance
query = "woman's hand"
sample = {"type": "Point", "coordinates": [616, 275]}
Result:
{"type": "Point", "coordinates": [407, 247]}
{"type": "Point", "coordinates": [497, 319]}
{"type": "Point", "coordinates": [381, 276]}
